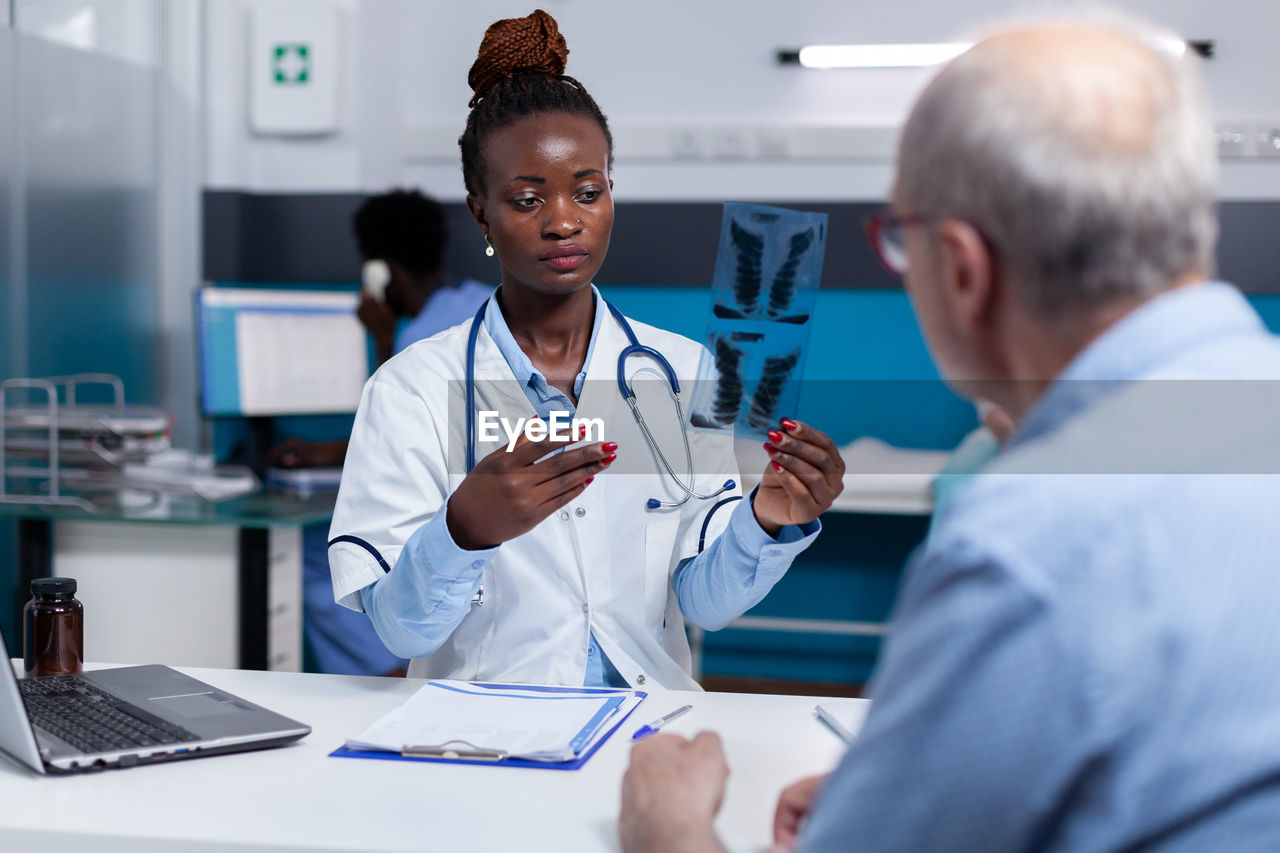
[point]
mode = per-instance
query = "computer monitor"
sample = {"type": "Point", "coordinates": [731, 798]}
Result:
{"type": "Point", "coordinates": [280, 352]}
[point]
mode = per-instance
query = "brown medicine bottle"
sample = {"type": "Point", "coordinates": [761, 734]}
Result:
{"type": "Point", "coordinates": [53, 628]}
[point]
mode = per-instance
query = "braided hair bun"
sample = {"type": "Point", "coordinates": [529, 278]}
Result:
{"type": "Point", "coordinates": [518, 73]}
{"type": "Point", "coordinates": [533, 43]}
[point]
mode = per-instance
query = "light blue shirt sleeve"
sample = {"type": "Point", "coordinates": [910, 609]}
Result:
{"type": "Point", "coordinates": [429, 590]}
{"type": "Point", "coordinates": [978, 727]}
{"type": "Point", "coordinates": [738, 568]}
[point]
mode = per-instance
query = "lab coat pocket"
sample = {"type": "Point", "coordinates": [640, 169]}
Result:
{"type": "Point", "coordinates": [659, 554]}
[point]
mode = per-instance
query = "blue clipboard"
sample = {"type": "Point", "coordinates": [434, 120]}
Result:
{"type": "Point", "coordinates": [576, 763]}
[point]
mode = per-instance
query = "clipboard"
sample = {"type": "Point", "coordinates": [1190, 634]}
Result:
{"type": "Point", "coordinates": [465, 754]}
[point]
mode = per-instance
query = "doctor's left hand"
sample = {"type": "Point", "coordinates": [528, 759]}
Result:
{"type": "Point", "coordinates": [804, 475]}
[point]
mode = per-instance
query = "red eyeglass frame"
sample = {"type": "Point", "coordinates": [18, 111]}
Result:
{"type": "Point", "coordinates": [885, 218]}
{"type": "Point", "coordinates": [877, 223]}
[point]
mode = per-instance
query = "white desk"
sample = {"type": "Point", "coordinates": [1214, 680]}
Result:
{"type": "Point", "coordinates": [297, 798]}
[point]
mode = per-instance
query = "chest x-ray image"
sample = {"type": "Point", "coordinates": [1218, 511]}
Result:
{"type": "Point", "coordinates": [763, 295]}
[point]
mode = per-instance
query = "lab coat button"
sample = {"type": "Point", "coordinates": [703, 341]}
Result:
{"type": "Point", "coordinates": [586, 608]}
{"type": "Point", "coordinates": [477, 564]}
{"type": "Point", "coordinates": [640, 678]}
{"type": "Point", "coordinates": [579, 512]}
{"type": "Point", "coordinates": [564, 516]}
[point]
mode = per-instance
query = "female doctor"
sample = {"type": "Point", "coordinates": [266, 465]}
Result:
{"type": "Point", "coordinates": [482, 558]}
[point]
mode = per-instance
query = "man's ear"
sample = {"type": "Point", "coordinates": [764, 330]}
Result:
{"type": "Point", "coordinates": [476, 206]}
{"type": "Point", "coordinates": [968, 273]}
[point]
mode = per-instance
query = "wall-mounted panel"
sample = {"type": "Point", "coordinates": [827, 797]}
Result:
{"type": "Point", "coordinates": [88, 129]}
{"type": "Point", "coordinates": [78, 215]}
{"type": "Point", "coordinates": [11, 303]}
{"type": "Point", "coordinates": [121, 29]}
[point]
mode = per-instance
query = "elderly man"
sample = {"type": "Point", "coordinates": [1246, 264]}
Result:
{"type": "Point", "coordinates": [1085, 654]}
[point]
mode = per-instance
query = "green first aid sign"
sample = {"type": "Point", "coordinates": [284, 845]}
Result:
{"type": "Point", "coordinates": [291, 64]}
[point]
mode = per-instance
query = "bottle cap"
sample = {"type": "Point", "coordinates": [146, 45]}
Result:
{"type": "Point", "coordinates": [53, 586]}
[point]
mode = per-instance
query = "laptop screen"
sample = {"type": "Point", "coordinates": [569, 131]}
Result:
{"type": "Point", "coordinates": [16, 736]}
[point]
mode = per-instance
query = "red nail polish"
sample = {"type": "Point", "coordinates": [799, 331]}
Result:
{"type": "Point", "coordinates": [610, 445]}
{"type": "Point", "coordinates": [611, 457]}
{"type": "Point", "coordinates": [589, 479]}
{"type": "Point", "coordinates": [769, 448]}
{"type": "Point", "coordinates": [776, 466]}
{"type": "Point", "coordinates": [775, 436]}
{"type": "Point", "coordinates": [788, 424]}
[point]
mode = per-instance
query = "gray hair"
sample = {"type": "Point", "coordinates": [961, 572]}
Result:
{"type": "Point", "coordinates": [1085, 202]}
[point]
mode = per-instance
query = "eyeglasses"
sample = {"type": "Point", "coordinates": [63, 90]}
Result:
{"type": "Point", "coordinates": [886, 232]}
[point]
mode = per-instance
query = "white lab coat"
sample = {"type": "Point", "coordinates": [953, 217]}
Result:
{"type": "Point", "coordinates": [601, 565]}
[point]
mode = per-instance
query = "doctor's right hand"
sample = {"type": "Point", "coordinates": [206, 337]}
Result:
{"type": "Point", "coordinates": [510, 492]}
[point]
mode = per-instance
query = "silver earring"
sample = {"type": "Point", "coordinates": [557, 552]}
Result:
{"type": "Point", "coordinates": [488, 250]}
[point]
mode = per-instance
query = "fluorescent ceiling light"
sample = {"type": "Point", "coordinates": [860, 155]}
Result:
{"type": "Point", "coordinates": [1174, 46]}
{"type": "Point", "coordinates": [879, 55]}
{"type": "Point", "coordinates": [923, 55]}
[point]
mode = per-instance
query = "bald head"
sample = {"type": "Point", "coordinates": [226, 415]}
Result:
{"type": "Point", "coordinates": [1082, 152]}
{"type": "Point", "coordinates": [1103, 91]}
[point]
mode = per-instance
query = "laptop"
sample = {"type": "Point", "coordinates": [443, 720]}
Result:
{"type": "Point", "coordinates": [124, 717]}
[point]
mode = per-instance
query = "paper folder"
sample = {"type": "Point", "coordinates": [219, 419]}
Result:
{"type": "Point", "coordinates": [606, 721]}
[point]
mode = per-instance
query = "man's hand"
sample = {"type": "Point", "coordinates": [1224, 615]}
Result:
{"type": "Point", "coordinates": [671, 794]}
{"type": "Point", "coordinates": [998, 421]}
{"type": "Point", "coordinates": [296, 453]}
{"type": "Point", "coordinates": [793, 807]}
{"type": "Point", "coordinates": [378, 320]}
{"type": "Point", "coordinates": [803, 477]}
{"type": "Point", "coordinates": [376, 317]}
{"type": "Point", "coordinates": [510, 493]}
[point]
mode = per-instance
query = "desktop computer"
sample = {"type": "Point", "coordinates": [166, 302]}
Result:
{"type": "Point", "coordinates": [280, 352]}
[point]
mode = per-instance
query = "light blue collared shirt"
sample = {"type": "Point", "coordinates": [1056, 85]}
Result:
{"type": "Point", "coordinates": [415, 609]}
{"type": "Point", "coordinates": [1084, 653]}
{"type": "Point", "coordinates": [452, 303]}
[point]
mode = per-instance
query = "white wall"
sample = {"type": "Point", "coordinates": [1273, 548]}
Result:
{"type": "Point", "coordinates": [692, 76]}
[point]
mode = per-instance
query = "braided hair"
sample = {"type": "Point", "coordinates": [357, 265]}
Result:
{"type": "Point", "coordinates": [519, 72]}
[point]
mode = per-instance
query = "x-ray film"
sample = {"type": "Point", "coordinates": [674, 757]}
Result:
{"type": "Point", "coordinates": [768, 268]}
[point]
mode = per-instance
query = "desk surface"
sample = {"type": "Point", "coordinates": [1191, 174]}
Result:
{"type": "Point", "coordinates": [260, 509]}
{"type": "Point", "coordinates": [297, 798]}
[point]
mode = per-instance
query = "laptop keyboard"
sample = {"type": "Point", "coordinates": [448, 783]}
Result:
{"type": "Point", "coordinates": [92, 720]}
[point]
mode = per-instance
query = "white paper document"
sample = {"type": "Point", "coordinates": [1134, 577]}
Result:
{"type": "Point", "coordinates": [308, 364]}
{"type": "Point", "coordinates": [529, 722]}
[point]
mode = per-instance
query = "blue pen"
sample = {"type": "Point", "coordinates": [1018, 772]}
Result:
{"type": "Point", "coordinates": [645, 731]}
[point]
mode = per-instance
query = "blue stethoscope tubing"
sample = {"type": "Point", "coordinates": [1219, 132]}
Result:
{"type": "Point", "coordinates": [624, 388]}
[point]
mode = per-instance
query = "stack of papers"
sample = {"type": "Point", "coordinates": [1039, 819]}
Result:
{"type": "Point", "coordinates": [896, 477]}
{"type": "Point", "coordinates": [461, 720]}
{"type": "Point", "coordinates": [305, 482]}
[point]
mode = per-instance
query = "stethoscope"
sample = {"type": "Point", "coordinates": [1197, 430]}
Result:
{"type": "Point", "coordinates": [636, 348]}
